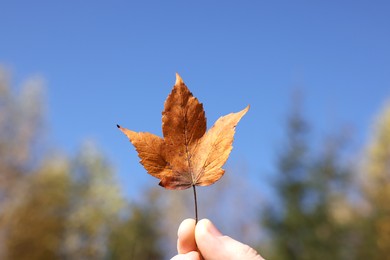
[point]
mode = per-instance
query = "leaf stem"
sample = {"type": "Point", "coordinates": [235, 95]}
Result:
{"type": "Point", "coordinates": [196, 205]}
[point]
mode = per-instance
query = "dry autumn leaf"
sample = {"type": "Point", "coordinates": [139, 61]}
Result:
{"type": "Point", "coordinates": [187, 155]}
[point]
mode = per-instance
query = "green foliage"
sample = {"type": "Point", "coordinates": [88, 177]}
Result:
{"type": "Point", "coordinates": [36, 222]}
{"type": "Point", "coordinates": [95, 203]}
{"type": "Point", "coordinates": [136, 237]}
{"type": "Point", "coordinates": [375, 227]}
{"type": "Point", "coordinates": [23, 182]}
{"type": "Point", "coordinates": [308, 188]}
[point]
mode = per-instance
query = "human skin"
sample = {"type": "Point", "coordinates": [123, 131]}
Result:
{"type": "Point", "coordinates": [205, 241]}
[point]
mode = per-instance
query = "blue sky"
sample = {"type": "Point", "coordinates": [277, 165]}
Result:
{"type": "Point", "coordinates": [109, 62]}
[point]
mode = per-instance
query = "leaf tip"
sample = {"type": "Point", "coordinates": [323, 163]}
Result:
{"type": "Point", "coordinates": [179, 80]}
{"type": "Point", "coordinates": [243, 112]}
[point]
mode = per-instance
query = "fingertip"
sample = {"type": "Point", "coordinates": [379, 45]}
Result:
{"type": "Point", "coordinates": [188, 256]}
{"type": "Point", "coordinates": [213, 244]}
{"type": "Point", "coordinates": [193, 255]}
{"type": "Point", "coordinates": [207, 238]}
{"type": "Point", "coordinates": [205, 226]}
{"type": "Point", "coordinates": [185, 226]}
{"type": "Point", "coordinates": [186, 237]}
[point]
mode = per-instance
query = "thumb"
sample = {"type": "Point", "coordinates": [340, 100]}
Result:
{"type": "Point", "coordinates": [213, 245]}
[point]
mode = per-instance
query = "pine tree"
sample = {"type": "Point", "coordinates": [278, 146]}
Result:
{"type": "Point", "coordinates": [309, 185]}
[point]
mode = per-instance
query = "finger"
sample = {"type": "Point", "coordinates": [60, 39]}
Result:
{"type": "Point", "coordinates": [189, 256]}
{"type": "Point", "coordinates": [213, 245]}
{"type": "Point", "coordinates": [186, 237]}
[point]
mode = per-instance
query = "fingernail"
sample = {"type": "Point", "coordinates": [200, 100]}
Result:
{"type": "Point", "coordinates": [212, 229]}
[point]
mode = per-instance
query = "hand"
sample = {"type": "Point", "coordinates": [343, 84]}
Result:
{"type": "Point", "coordinates": [205, 240]}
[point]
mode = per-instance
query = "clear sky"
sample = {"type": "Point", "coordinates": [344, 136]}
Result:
{"type": "Point", "coordinates": [109, 62]}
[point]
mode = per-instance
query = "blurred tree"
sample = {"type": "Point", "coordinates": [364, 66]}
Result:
{"type": "Point", "coordinates": [308, 187]}
{"type": "Point", "coordinates": [21, 119]}
{"type": "Point", "coordinates": [95, 203]}
{"type": "Point", "coordinates": [375, 240]}
{"type": "Point", "coordinates": [137, 236]}
{"type": "Point", "coordinates": [49, 208]}
{"type": "Point", "coordinates": [288, 225]}
{"type": "Point", "coordinates": [64, 210]}
{"type": "Point", "coordinates": [330, 214]}
{"type": "Point", "coordinates": [35, 222]}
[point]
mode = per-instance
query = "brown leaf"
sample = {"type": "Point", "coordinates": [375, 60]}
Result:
{"type": "Point", "coordinates": [187, 155]}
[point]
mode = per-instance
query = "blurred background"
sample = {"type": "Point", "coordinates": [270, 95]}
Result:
{"type": "Point", "coordinates": [309, 175]}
